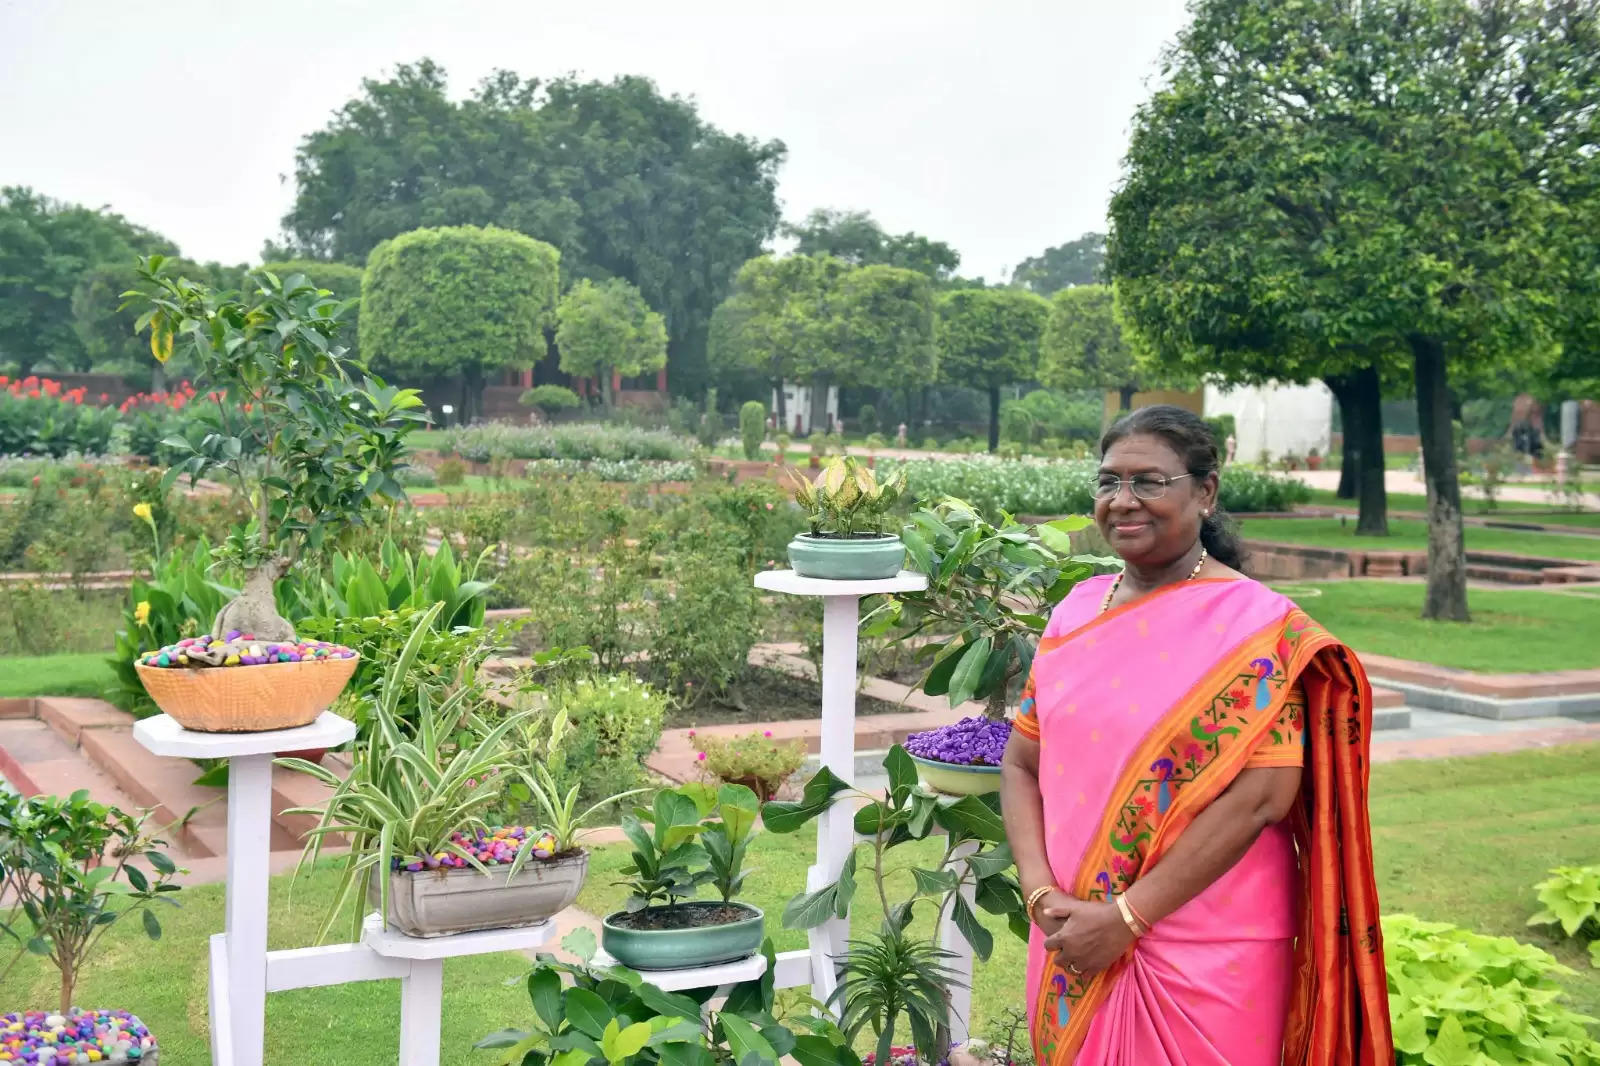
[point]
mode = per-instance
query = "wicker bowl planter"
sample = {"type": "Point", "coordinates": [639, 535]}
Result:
{"type": "Point", "coordinates": [247, 699]}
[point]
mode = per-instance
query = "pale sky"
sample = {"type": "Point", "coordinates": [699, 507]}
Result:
{"type": "Point", "coordinates": [1001, 132]}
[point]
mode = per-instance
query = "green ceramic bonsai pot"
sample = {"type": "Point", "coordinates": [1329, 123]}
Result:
{"type": "Point", "coordinates": [862, 557]}
{"type": "Point", "coordinates": [683, 948]}
{"type": "Point", "coordinates": [955, 780]}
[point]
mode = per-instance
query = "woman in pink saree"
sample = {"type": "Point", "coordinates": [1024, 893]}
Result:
{"type": "Point", "coordinates": [1185, 794]}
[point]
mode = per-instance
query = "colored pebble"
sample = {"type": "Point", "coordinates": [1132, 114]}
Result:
{"type": "Point", "coordinates": [241, 649]}
{"type": "Point", "coordinates": [54, 1039]}
{"type": "Point", "coordinates": [493, 847]}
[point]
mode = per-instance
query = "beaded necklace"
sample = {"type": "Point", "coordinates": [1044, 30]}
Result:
{"type": "Point", "coordinates": [1117, 583]}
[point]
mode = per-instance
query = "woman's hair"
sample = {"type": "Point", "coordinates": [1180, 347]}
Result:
{"type": "Point", "coordinates": [1187, 434]}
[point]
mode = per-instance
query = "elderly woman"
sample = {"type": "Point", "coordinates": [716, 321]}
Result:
{"type": "Point", "coordinates": [1185, 792]}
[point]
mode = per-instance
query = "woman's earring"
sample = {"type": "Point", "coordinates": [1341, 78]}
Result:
{"type": "Point", "coordinates": [1205, 513]}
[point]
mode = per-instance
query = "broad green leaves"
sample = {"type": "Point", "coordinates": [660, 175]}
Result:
{"type": "Point", "coordinates": [1570, 897]}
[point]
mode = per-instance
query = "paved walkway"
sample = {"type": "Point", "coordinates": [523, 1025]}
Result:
{"type": "Point", "coordinates": [1407, 481]}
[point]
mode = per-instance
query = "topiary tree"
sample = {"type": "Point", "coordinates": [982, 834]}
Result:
{"type": "Point", "coordinates": [988, 339]}
{"type": "Point", "coordinates": [1083, 347]}
{"type": "Point", "coordinates": [328, 438]}
{"type": "Point", "coordinates": [548, 399]}
{"type": "Point", "coordinates": [458, 300]}
{"type": "Point", "coordinates": [752, 427]}
{"type": "Point", "coordinates": [605, 328]}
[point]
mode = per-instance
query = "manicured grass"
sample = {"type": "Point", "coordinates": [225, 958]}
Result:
{"type": "Point", "coordinates": [85, 674]}
{"type": "Point", "coordinates": [1457, 840]}
{"type": "Point", "coordinates": [1512, 630]}
{"type": "Point", "coordinates": [1512, 510]}
{"type": "Point", "coordinates": [1409, 534]}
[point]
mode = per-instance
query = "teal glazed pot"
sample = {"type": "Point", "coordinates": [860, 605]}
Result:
{"type": "Point", "coordinates": [683, 949]}
{"type": "Point", "coordinates": [869, 558]}
{"type": "Point", "coordinates": [955, 780]}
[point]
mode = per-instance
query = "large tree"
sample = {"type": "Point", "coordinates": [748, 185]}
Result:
{"type": "Point", "coordinates": [1324, 178]}
{"type": "Point", "coordinates": [988, 339]}
{"type": "Point", "coordinates": [1079, 262]}
{"type": "Point", "coordinates": [606, 328]}
{"type": "Point", "coordinates": [624, 181]}
{"type": "Point", "coordinates": [46, 250]}
{"type": "Point", "coordinates": [884, 322]}
{"type": "Point", "coordinates": [858, 239]}
{"type": "Point", "coordinates": [1083, 346]}
{"type": "Point", "coordinates": [459, 300]}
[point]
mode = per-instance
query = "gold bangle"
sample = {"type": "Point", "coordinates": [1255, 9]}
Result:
{"type": "Point", "coordinates": [1033, 900]}
{"type": "Point", "coordinates": [1128, 918]}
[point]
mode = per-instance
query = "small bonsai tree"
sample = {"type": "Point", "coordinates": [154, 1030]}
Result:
{"type": "Point", "coordinates": [752, 428]}
{"type": "Point", "coordinates": [330, 437]}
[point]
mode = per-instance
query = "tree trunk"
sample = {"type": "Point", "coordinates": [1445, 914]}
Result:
{"type": "Point", "coordinates": [1367, 410]}
{"type": "Point", "coordinates": [1446, 598]}
{"type": "Point", "coordinates": [782, 409]}
{"type": "Point", "coordinates": [994, 418]}
{"type": "Point", "coordinates": [607, 399]}
{"type": "Point", "coordinates": [1125, 397]}
{"type": "Point", "coordinates": [819, 404]}
{"type": "Point", "coordinates": [1343, 395]}
{"type": "Point", "coordinates": [68, 979]}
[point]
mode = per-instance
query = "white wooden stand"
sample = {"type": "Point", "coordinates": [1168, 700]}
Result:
{"type": "Point", "coordinates": [243, 971]}
{"type": "Point", "coordinates": [841, 602]}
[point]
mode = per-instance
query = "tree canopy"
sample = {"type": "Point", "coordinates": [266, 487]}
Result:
{"type": "Point", "coordinates": [988, 339]}
{"type": "Point", "coordinates": [1319, 178]}
{"type": "Point", "coordinates": [605, 328]}
{"type": "Point", "coordinates": [1079, 262]}
{"type": "Point", "coordinates": [624, 181]}
{"type": "Point", "coordinates": [47, 250]}
{"type": "Point", "coordinates": [858, 239]}
{"type": "Point", "coordinates": [1083, 346]}
{"type": "Point", "coordinates": [458, 300]}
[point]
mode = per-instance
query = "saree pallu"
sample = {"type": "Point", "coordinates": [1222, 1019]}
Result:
{"type": "Point", "coordinates": [1144, 715]}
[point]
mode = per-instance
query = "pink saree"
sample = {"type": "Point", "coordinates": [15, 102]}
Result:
{"type": "Point", "coordinates": [1145, 714]}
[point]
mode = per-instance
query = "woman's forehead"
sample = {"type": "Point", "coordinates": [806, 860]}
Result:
{"type": "Point", "coordinates": [1140, 453]}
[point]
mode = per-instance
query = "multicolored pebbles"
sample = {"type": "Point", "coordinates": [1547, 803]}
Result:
{"type": "Point", "coordinates": [240, 649]}
{"type": "Point", "coordinates": [492, 847]}
{"type": "Point", "coordinates": [41, 1038]}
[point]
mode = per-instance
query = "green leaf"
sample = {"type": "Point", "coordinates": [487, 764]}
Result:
{"type": "Point", "coordinates": [619, 1044]}
{"type": "Point", "coordinates": [813, 1050]}
{"type": "Point", "coordinates": [845, 887]}
{"type": "Point", "coordinates": [1449, 1046]}
{"type": "Point", "coordinates": [809, 910]}
{"type": "Point", "coordinates": [744, 1041]}
{"type": "Point", "coordinates": [977, 935]}
{"type": "Point", "coordinates": [902, 771]}
{"type": "Point", "coordinates": [586, 1011]}
{"type": "Point", "coordinates": [934, 883]}
{"type": "Point", "coordinates": [937, 681]}
{"type": "Point", "coordinates": [971, 816]}
{"type": "Point", "coordinates": [964, 681]}
{"type": "Point", "coordinates": [152, 927]}
{"type": "Point", "coordinates": [781, 816]}
{"type": "Point", "coordinates": [668, 1003]}
{"type": "Point", "coordinates": [544, 990]}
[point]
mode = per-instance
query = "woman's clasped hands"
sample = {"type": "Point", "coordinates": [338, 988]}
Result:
{"type": "Point", "coordinates": [1088, 937]}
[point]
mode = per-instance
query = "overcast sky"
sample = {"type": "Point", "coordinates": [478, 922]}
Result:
{"type": "Point", "coordinates": [1001, 133]}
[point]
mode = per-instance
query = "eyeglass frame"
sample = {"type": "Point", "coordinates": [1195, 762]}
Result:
{"type": "Point", "coordinates": [1162, 480]}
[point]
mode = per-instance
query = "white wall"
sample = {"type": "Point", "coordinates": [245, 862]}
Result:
{"type": "Point", "coordinates": [1280, 418]}
{"type": "Point", "coordinates": [797, 401]}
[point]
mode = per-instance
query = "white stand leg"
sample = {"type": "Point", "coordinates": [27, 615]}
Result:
{"type": "Point", "coordinates": [953, 941]}
{"type": "Point", "coordinates": [421, 1002]}
{"type": "Point", "coordinates": [249, 823]}
{"type": "Point", "coordinates": [836, 833]}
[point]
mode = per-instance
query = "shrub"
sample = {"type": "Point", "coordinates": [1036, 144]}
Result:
{"type": "Point", "coordinates": [1460, 996]}
{"type": "Point", "coordinates": [1570, 898]}
{"type": "Point", "coordinates": [39, 417]}
{"type": "Point", "coordinates": [867, 418]}
{"type": "Point", "coordinates": [754, 760]}
{"type": "Point", "coordinates": [583, 440]}
{"type": "Point", "coordinates": [1222, 427]}
{"type": "Point", "coordinates": [548, 399]}
{"type": "Point", "coordinates": [704, 624]}
{"type": "Point", "coordinates": [631, 470]}
{"type": "Point", "coordinates": [416, 477]}
{"type": "Point", "coordinates": [709, 429]}
{"type": "Point", "coordinates": [752, 428]}
{"type": "Point", "coordinates": [451, 472]}
{"type": "Point", "coordinates": [616, 722]}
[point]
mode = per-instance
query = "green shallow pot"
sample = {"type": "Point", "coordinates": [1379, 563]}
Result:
{"type": "Point", "coordinates": [955, 780]}
{"type": "Point", "coordinates": [683, 949]}
{"type": "Point", "coordinates": [867, 558]}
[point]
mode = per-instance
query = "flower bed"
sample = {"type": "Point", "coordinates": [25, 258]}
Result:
{"type": "Point", "coordinates": [630, 470]}
{"type": "Point", "coordinates": [581, 440]}
{"type": "Point", "coordinates": [39, 417]}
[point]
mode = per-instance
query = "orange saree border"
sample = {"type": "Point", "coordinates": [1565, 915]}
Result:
{"type": "Point", "coordinates": [1194, 754]}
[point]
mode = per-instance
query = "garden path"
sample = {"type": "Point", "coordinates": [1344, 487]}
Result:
{"type": "Point", "coordinates": [1407, 482]}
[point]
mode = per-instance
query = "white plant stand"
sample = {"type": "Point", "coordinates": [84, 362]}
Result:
{"type": "Point", "coordinates": [841, 603]}
{"type": "Point", "coordinates": [243, 971]}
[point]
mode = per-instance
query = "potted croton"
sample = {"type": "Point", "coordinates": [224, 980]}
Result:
{"type": "Point", "coordinates": [690, 836]}
{"type": "Point", "coordinates": [848, 508]}
{"type": "Point", "coordinates": [963, 758]}
{"type": "Point", "coordinates": [418, 807]}
{"type": "Point", "coordinates": [295, 429]}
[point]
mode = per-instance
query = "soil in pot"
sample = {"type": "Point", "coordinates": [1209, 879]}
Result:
{"type": "Point", "coordinates": [683, 916]}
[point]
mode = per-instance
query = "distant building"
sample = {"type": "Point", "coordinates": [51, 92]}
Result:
{"type": "Point", "coordinates": [797, 408]}
{"type": "Point", "coordinates": [1279, 419]}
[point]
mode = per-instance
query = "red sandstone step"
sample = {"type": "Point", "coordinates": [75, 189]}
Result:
{"type": "Point", "coordinates": [1496, 686]}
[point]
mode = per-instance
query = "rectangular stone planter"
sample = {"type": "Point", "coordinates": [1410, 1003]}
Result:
{"type": "Point", "coordinates": [432, 903]}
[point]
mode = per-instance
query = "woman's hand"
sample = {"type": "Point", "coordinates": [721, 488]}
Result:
{"type": "Point", "coordinates": [1091, 936]}
{"type": "Point", "coordinates": [1049, 911]}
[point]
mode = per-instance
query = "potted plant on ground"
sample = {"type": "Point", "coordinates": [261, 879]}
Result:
{"type": "Point", "coordinates": [69, 871]}
{"type": "Point", "coordinates": [415, 809]}
{"type": "Point", "coordinates": [695, 836]}
{"type": "Point", "coordinates": [1313, 460]}
{"type": "Point", "coordinates": [754, 760]}
{"type": "Point", "coordinates": [963, 758]}
{"type": "Point", "coordinates": [848, 508]}
{"type": "Point", "coordinates": [295, 428]}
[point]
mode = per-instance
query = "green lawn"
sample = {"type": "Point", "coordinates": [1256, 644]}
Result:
{"type": "Point", "coordinates": [86, 674]}
{"type": "Point", "coordinates": [1459, 840]}
{"type": "Point", "coordinates": [1411, 534]}
{"type": "Point", "coordinates": [1512, 630]}
{"type": "Point", "coordinates": [1512, 510]}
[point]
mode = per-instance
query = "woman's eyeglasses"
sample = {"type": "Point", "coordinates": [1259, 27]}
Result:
{"type": "Point", "coordinates": [1143, 486]}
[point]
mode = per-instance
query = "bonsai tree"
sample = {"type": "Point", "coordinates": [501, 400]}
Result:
{"type": "Point", "coordinates": [66, 869]}
{"type": "Point", "coordinates": [328, 437]}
